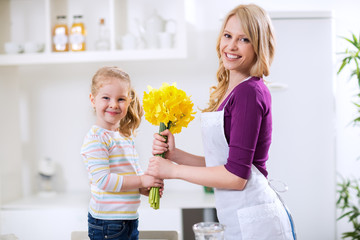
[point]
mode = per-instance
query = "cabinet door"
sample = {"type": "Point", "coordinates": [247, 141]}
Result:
{"type": "Point", "coordinates": [302, 152]}
{"type": "Point", "coordinates": [55, 224]}
{"type": "Point", "coordinates": [149, 219]}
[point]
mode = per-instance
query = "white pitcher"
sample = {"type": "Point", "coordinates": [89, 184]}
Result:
{"type": "Point", "coordinates": [149, 31]}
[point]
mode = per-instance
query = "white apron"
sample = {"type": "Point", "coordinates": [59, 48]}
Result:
{"type": "Point", "coordinates": [255, 212]}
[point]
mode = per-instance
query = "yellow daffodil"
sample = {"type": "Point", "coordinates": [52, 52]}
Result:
{"type": "Point", "coordinates": [170, 108]}
{"type": "Point", "coordinates": [168, 104]}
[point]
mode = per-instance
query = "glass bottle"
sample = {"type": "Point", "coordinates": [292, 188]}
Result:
{"type": "Point", "coordinates": [77, 35]}
{"type": "Point", "coordinates": [103, 43]}
{"type": "Point", "coordinates": [60, 35]}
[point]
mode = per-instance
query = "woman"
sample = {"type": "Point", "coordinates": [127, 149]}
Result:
{"type": "Point", "coordinates": [236, 129]}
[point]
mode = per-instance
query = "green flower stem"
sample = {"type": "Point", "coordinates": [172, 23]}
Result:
{"type": "Point", "coordinates": [154, 195]}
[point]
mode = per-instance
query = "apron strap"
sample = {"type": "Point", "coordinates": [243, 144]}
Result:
{"type": "Point", "coordinates": [278, 186]}
{"type": "Point", "coordinates": [233, 92]}
{"type": "Point", "coordinates": [227, 101]}
{"type": "Point", "coordinates": [279, 190]}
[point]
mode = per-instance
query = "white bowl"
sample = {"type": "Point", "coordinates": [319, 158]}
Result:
{"type": "Point", "coordinates": [13, 48]}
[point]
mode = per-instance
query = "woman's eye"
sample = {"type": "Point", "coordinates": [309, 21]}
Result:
{"type": "Point", "coordinates": [244, 40]}
{"type": "Point", "coordinates": [227, 35]}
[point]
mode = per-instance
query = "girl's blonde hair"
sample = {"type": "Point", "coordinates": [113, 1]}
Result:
{"type": "Point", "coordinates": [257, 26]}
{"type": "Point", "coordinates": [132, 120]}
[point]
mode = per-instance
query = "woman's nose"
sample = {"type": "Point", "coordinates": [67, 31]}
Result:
{"type": "Point", "coordinates": [233, 44]}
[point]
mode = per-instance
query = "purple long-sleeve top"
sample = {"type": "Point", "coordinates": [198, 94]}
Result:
{"type": "Point", "coordinates": [248, 127]}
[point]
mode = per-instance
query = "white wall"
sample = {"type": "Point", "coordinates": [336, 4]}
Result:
{"type": "Point", "coordinates": [10, 155]}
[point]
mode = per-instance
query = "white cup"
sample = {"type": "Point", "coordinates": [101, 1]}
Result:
{"type": "Point", "coordinates": [128, 41]}
{"type": "Point", "coordinates": [13, 48]}
{"type": "Point", "coordinates": [33, 47]}
{"type": "Point", "coordinates": [152, 40]}
{"type": "Point", "coordinates": [166, 39]}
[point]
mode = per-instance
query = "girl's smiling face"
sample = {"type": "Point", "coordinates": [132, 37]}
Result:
{"type": "Point", "coordinates": [111, 103]}
{"type": "Point", "coordinates": [237, 53]}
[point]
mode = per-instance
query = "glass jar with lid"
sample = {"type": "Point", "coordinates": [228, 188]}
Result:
{"type": "Point", "coordinates": [60, 35]}
{"type": "Point", "coordinates": [77, 34]}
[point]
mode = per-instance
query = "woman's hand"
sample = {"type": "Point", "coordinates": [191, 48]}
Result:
{"type": "Point", "coordinates": [148, 181]}
{"type": "Point", "coordinates": [161, 168]}
{"type": "Point", "coordinates": [159, 146]}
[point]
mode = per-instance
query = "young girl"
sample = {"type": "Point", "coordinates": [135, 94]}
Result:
{"type": "Point", "coordinates": [111, 160]}
{"type": "Point", "coordinates": [236, 129]}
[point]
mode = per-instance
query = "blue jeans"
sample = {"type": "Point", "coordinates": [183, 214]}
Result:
{"type": "Point", "coordinates": [112, 229]}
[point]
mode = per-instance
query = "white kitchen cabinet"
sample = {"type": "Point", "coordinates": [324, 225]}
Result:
{"type": "Point", "coordinates": [24, 21]}
{"type": "Point", "coordinates": [302, 153]}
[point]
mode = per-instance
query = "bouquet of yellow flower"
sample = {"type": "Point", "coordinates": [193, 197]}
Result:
{"type": "Point", "coordinates": [170, 108]}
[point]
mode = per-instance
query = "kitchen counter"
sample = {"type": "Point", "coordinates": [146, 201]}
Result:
{"type": "Point", "coordinates": [39, 216]}
{"type": "Point", "coordinates": [171, 199]}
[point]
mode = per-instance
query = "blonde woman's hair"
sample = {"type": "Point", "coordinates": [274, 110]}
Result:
{"type": "Point", "coordinates": [132, 120]}
{"type": "Point", "coordinates": [257, 26]}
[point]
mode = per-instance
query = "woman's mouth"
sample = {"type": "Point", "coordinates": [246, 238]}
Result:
{"type": "Point", "coordinates": [232, 56]}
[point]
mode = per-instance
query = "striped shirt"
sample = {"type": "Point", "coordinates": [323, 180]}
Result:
{"type": "Point", "coordinates": [109, 157]}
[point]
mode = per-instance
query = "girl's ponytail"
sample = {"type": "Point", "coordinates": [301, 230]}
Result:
{"type": "Point", "coordinates": [132, 120]}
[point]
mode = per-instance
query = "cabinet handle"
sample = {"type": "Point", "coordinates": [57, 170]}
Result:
{"type": "Point", "coordinates": [277, 86]}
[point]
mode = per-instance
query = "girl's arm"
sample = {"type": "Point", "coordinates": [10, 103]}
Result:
{"type": "Point", "coordinates": [172, 153]}
{"type": "Point", "coordinates": [143, 181]}
{"type": "Point", "coordinates": [217, 177]}
{"type": "Point", "coordinates": [96, 155]}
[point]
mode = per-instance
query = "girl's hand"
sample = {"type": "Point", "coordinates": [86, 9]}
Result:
{"type": "Point", "coordinates": [159, 146]}
{"type": "Point", "coordinates": [148, 181]}
{"type": "Point", "coordinates": [161, 168]}
{"type": "Point", "coordinates": [146, 191]}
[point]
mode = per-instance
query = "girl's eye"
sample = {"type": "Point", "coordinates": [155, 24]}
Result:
{"type": "Point", "coordinates": [227, 35]}
{"type": "Point", "coordinates": [105, 98]}
{"type": "Point", "coordinates": [122, 99]}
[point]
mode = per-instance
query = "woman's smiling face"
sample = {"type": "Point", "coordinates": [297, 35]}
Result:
{"type": "Point", "coordinates": [237, 53]}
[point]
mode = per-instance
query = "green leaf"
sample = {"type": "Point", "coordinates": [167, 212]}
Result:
{"type": "Point", "coordinates": [342, 65]}
{"type": "Point", "coordinates": [356, 120]}
{"type": "Point", "coordinates": [347, 39]}
{"type": "Point", "coordinates": [355, 41]}
{"type": "Point", "coordinates": [344, 215]}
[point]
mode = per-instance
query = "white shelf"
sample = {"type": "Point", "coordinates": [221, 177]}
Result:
{"type": "Point", "coordinates": [281, 15]}
{"type": "Point", "coordinates": [121, 17]}
{"type": "Point", "coordinates": [89, 56]}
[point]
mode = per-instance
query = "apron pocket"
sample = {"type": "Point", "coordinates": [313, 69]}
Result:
{"type": "Point", "coordinates": [261, 222]}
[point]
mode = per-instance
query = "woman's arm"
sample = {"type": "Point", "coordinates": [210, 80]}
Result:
{"type": "Point", "coordinates": [217, 177]}
{"type": "Point", "coordinates": [185, 158]}
{"type": "Point", "coordinates": [172, 153]}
